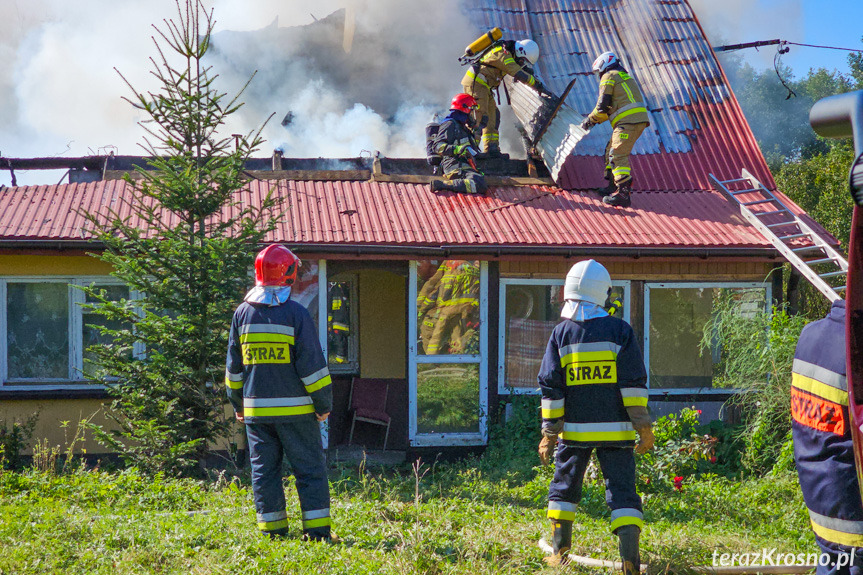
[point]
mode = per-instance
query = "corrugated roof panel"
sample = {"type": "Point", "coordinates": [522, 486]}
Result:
{"type": "Point", "coordinates": [697, 126]}
{"type": "Point", "coordinates": [399, 214]}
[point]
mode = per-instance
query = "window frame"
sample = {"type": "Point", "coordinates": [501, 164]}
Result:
{"type": "Point", "coordinates": [74, 325]}
{"type": "Point", "coordinates": [502, 388]}
{"type": "Point", "coordinates": [671, 392]}
{"type": "Point", "coordinates": [352, 367]}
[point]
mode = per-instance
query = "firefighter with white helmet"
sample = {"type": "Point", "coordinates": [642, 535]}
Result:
{"type": "Point", "coordinates": [279, 385]}
{"type": "Point", "coordinates": [621, 103]}
{"type": "Point", "coordinates": [485, 75]}
{"type": "Point", "coordinates": [594, 396]}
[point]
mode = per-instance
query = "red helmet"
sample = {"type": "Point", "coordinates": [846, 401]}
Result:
{"type": "Point", "coordinates": [276, 265]}
{"type": "Point", "coordinates": [463, 103]}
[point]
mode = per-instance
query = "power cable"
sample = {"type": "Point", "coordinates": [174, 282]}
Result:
{"type": "Point", "coordinates": [777, 60]}
{"type": "Point", "coordinates": [826, 47]}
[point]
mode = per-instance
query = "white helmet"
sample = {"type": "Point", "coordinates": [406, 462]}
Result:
{"type": "Point", "coordinates": [587, 281]}
{"type": "Point", "coordinates": [605, 61]}
{"type": "Point", "coordinates": [527, 49]}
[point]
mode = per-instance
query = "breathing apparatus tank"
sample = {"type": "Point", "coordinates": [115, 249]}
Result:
{"type": "Point", "coordinates": [432, 128]}
{"type": "Point", "coordinates": [481, 44]}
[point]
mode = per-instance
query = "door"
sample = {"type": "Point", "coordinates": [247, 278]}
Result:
{"type": "Point", "coordinates": [448, 352]}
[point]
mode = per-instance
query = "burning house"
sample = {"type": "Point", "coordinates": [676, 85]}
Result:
{"type": "Point", "coordinates": [376, 244]}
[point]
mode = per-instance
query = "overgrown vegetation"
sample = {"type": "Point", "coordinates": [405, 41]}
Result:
{"type": "Point", "coordinates": [185, 243]}
{"type": "Point", "coordinates": [478, 515]}
{"type": "Point", "coordinates": [757, 351]}
{"type": "Point", "coordinates": [14, 436]}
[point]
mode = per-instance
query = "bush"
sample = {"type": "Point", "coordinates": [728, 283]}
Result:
{"type": "Point", "coordinates": [13, 440]}
{"type": "Point", "coordinates": [681, 450]}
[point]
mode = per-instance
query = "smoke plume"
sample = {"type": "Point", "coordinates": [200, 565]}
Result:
{"type": "Point", "coordinates": [342, 75]}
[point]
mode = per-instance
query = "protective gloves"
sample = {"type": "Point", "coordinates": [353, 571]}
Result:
{"type": "Point", "coordinates": [587, 124]}
{"type": "Point", "coordinates": [641, 422]}
{"type": "Point", "coordinates": [465, 150]}
{"type": "Point", "coordinates": [550, 431]}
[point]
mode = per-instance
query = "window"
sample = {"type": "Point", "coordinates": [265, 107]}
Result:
{"type": "Point", "coordinates": [342, 324]}
{"type": "Point", "coordinates": [675, 315]}
{"type": "Point", "coordinates": [44, 331]}
{"type": "Point", "coordinates": [529, 310]}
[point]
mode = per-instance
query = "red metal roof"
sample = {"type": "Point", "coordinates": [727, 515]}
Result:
{"type": "Point", "coordinates": [398, 214]}
{"type": "Point", "coordinates": [697, 126]}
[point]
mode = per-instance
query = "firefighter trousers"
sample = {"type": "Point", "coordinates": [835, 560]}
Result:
{"type": "Point", "coordinates": [466, 182]}
{"type": "Point", "coordinates": [838, 559]}
{"type": "Point", "coordinates": [619, 147]}
{"type": "Point", "coordinates": [618, 469]}
{"type": "Point", "coordinates": [488, 113]}
{"type": "Point", "coordinates": [298, 441]}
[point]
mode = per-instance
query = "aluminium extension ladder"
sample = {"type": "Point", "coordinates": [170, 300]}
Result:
{"type": "Point", "coordinates": [795, 240]}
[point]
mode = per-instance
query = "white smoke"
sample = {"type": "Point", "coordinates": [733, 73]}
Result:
{"type": "Point", "coordinates": [62, 96]}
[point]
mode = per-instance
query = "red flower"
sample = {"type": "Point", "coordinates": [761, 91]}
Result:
{"type": "Point", "coordinates": [713, 459]}
{"type": "Point", "coordinates": [698, 411]}
{"type": "Point", "coordinates": [678, 483]}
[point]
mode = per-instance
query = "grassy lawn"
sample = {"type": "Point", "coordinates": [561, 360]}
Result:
{"type": "Point", "coordinates": [481, 515]}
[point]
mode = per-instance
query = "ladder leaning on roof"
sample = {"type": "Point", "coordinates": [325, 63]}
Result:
{"type": "Point", "coordinates": [795, 241]}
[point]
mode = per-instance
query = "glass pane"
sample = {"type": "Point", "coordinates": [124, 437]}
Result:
{"type": "Point", "coordinates": [37, 330]}
{"type": "Point", "coordinates": [90, 334]}
{"type": "Point", "coordinates": [677, 320]}
{"type": "Point", "coordinates": [305, 290]}
{"type": "Point", "coordinates": [531, 313]}
{"type": "Point", "coordinates": [448, 398]}
{"type": "Point", "coordinates": [341, 337]}
{"type": "Point", "coordinates": [448, 307]}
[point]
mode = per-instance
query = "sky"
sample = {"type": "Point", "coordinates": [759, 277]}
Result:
{"type": "Point", "coordinates": [60, 95]}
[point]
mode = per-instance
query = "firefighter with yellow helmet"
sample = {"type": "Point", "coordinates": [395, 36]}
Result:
{"type": "Point", "coordinates": [621, 103]}
{"type": "Point", "coordinates": [594, 396]}
{"type": "Point", "coordinates": [485, 75]}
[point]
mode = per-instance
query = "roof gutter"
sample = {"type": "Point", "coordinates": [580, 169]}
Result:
{"type": "Point", "coordinates": [454, 249]}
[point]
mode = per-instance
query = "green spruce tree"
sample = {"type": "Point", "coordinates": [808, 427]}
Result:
{"type": "Point", "coordinates": [183, 241]}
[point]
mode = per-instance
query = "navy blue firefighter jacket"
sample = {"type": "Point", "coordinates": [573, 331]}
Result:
{"type": "Point", "coordinates": [276, 369]}
{"type": "Point", "coordinates": [591, 372]}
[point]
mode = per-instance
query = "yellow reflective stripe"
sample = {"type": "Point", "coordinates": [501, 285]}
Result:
{"type": "Point", "coordinates": [627, 113]}
{"type": "Point", "coordinates": [626, 516]}
{"type": "Point", "coordinates": [320, 384]}
{"type": "Point", "coordinates": [509, 60]}
{"type": "Point", "coordinates": [233, 384]}
{"type": "Point", "coordinates": [278, 411]}
{"type": "Point", "coordinates": [580, 356]}
{"type": "Point", "coordinates": [460, 300]}
{"type": "Point", "coordinates": [815, 387]}
{"type": "Point", "coordinates": [617, 171]}
{"type": "Point", "coordinates": [634, 402]}
{"type": "Point", "coordinates": [477, 79]}
{"type": "Point", "coordinates": [628, 92]}
{"type": "Point", "coordinates": [266, 338]}
{"type": "Point", "coordinates": [312, 523]}
{"type": "Point", "coordinates": [840, 537]}
{"type": "Point", "coordinates": [552, 408]}
{"type": "Point", "coordinates": [532, 81]}
{"type": "Point", "coordinates": [272, 525]}
{"type": "Point", "coordinates": [607, 83]}
{"type": "Point", "coordinates": [561, 510]}
{"type": "Point", "coordinates": [586, 436]}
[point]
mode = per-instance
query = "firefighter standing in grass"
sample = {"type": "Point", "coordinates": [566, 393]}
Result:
{"type": "Point", "coordinates": [483, 77]}
{"type": "Point", "coordinates": [455, 144]}
{"type": "Point", "coordinates": [278, 383]}
{"type": "Point", "coordinates": [620, 102]}
{"type": "Point", "coordinates": [594, 395]}
{"type": "Point", "coordinates": [823, 448]}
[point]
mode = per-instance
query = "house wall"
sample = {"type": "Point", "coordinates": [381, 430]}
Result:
{"type": "Point", "coordinates": [44, 265]}
{"type": "Point", "coordinates": [382, 308]}
{"type": "Point", "coordinates": [697, 270]}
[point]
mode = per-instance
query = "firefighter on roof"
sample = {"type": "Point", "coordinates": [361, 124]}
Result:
{"type": "Point", "coordinates": [455, 144]}
{"type": "Point", "coordinates": [823, 448]}
{"type": "Point", "coordinates": [486, 74]}
{"type": "Point", "coordinates": [620, 103]}
{"type": "Point", "coordinates": [278, 383]}
{"type": "Point", "coordinates": [594, 395]}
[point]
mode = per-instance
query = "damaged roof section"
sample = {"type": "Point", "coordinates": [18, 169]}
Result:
{"type": "Point", "coordinates": [697, 126]}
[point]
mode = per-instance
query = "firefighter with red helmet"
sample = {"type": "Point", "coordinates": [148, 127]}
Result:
{"type": "Point", "coordinates": [507, 58]}
{"type": "Point", "coordinates": [823, 447]}
{"type": "Point", "coordinates": [456, 146]}
{"type": "Point", "coordinates": [621, 103]}
{"type": "Point", "coordinates": [279, 385]}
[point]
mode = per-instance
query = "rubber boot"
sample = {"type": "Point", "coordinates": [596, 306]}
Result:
{"type": "Point", "coordinates": [492, 152]}
{"type": "Point", "coordinates": [439, 185]}
{"type": "Point", "coordinates": [629, 555]}
{"type": "Point", "coordinates": [620, 198]}
{"type": "Point", "coordinates": [561, 542]}
{"type": "Point", "coordinates": [610, 187]}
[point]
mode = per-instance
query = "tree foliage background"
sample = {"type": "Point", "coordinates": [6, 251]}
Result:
{"type": "Point", "coordinates": [185, 243]}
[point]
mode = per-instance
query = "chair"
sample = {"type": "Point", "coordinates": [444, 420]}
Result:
{"type": "Point", "coordinates": [368, 402]}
